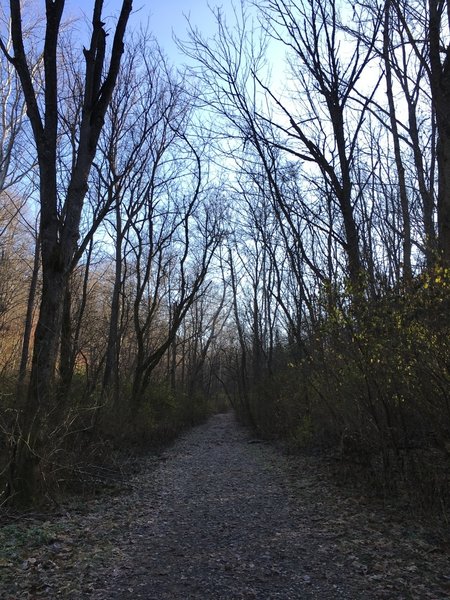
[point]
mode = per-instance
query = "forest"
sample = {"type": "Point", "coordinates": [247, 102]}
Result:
{"type": "Point", "coordinates": [265, 228]}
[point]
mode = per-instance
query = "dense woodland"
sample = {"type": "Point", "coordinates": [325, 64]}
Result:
{"type": "Point", "coordinates": [267, 227]}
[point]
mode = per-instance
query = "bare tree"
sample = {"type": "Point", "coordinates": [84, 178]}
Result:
{"type": "Point", "coordinates": [430, 21]}
{"type": "Point", "coordinates": [146, 110]}
{"type": "Point", "coordinates": [404, 203]}
{"type": "Point", "coordinates": [439, 73]}
{"type": "Point", "coordinates": [59, 229]}
{"type": "Point", "coordinates": [310, 29]}
{"type": "Point", "coordinates": [15, 160]}
{"type": "Point", "coordinates": [412, 133]}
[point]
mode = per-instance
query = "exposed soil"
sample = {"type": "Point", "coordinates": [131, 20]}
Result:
{"type": "Point", "coordinates": [222, 516]}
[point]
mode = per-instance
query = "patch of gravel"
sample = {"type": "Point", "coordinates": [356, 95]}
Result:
{"type": "Point", "coordinates": [222, 516]}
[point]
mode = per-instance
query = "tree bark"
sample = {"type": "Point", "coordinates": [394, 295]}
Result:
{"type": "Point", "coordinates": [111, 374]}
{"type": "Point", "coordinates": [28, 326]}
{"type": "Point", "coordinates": [440, 88]}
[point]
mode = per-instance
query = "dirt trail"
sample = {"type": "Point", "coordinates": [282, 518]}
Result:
{"type": "Point", "coordinates": [234, 519]}
{"type": "Point", "coordinates": [223, 517]}
{"type": "Point", "coordinates": [223, 527]}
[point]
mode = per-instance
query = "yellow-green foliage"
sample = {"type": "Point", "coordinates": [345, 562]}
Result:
{"type": "Point", "coordinates": [279, 403]}
{"type": "Point", "coordinates": [374, 378]}
{"type": "Point", "coordinates": [302, 435]}
{"type": "Point", "coordinates": [159, 417]}
{"type": "Point", "coordinates": [384, 364]}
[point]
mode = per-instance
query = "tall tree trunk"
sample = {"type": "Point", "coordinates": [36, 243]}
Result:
{"type": "Point", "coordinates": [443, 200]}
{"type": "Point", "coordinates": [440, 87]}
{"type": "Point", "coordinates": [70, 333]}
{"type": "Point", "coordinates": [343, 190]}
{"type": "Point", "coordinates": [66, 358]}
{"type": "Point", "coordinates": [59, 230]}
{"type": "Point", "coordinates": [28, 326]}
{"type": "Point", "coordinates": [28, 454]}
{"type": "Point", "coordinates": [111, 373]}
{"type": "Point", "coordinates": [404, 204]}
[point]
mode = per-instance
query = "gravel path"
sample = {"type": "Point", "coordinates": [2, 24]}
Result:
{"type": "Point", "coordinates": [226, 518]}
{"type": "Point", "coordinates": [221, 516]}
{"type": "Point", "coordinates": [223, 527]}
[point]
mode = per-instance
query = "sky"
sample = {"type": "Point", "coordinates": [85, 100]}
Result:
{"type": "Point", "coordinates": [164, 17]}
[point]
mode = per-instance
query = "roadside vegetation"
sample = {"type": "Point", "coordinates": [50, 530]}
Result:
{"type": "Point", "coordinates": [267, 228]}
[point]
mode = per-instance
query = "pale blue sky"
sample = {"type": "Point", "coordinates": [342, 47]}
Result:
{"type": "Point", "coordinates": [164, 16]}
